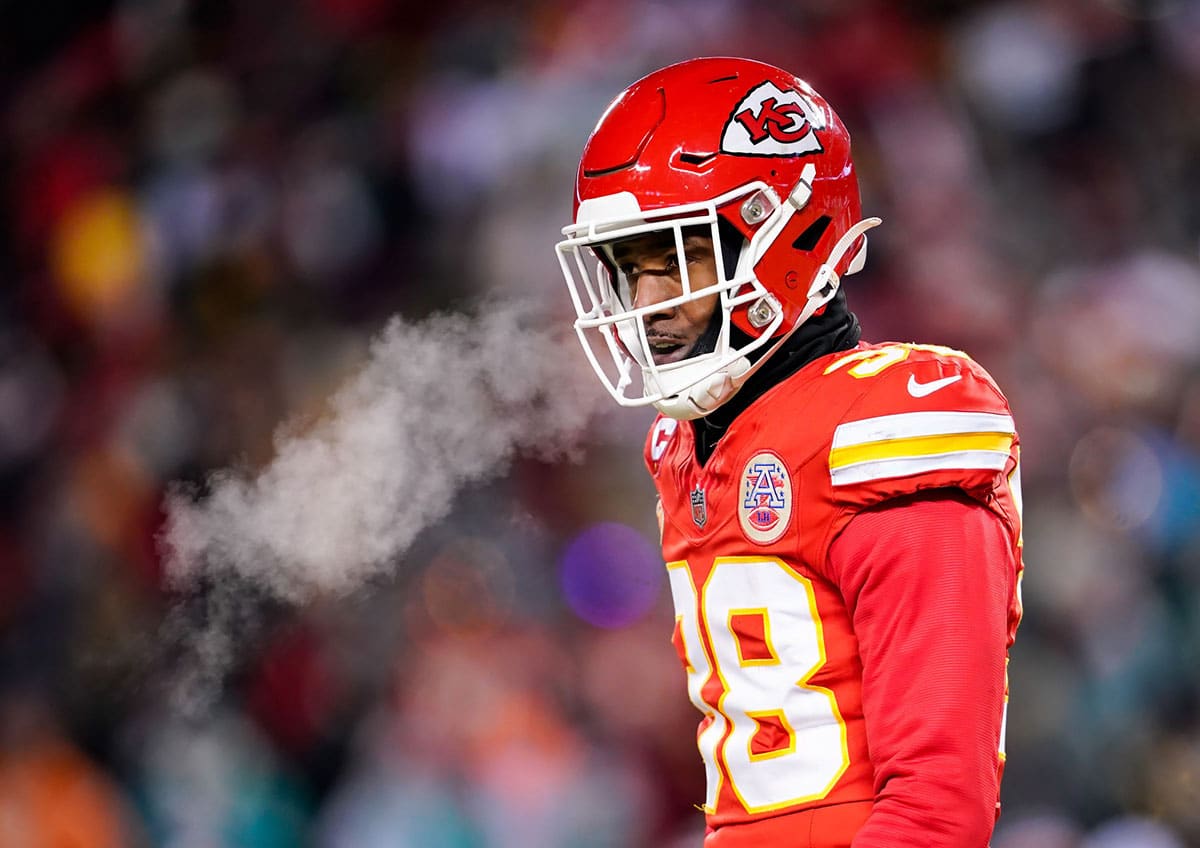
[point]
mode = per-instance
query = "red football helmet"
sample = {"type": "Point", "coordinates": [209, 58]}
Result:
{"type": "Point", "coordinates": [753, 153]}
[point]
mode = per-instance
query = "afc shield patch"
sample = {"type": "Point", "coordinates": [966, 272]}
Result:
{"type": "Point", "coordinates": [699, 507]}
{"type": "Point", "coordinates": [765, 504]}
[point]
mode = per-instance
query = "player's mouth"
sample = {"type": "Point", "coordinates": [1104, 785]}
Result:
{"type": "Point", "coordinates": [667, 349]}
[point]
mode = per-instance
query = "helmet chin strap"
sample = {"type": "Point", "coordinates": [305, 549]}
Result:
{"type": "Point", "coordinates": [710, 392]}
{"type": "Point", "coordinates": [707, 393]}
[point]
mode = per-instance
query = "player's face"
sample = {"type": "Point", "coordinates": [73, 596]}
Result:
{"type": "Point", "coordinates": [651, 265]}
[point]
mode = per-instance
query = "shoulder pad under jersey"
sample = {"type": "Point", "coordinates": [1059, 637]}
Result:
{"type": "Point", "coordinates": [927, 417]}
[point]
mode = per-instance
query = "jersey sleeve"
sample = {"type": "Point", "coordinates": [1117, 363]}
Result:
{"type": "Point", "coordinates": [933, 421]}
{"type": "Point", "coordinates": [927, 581]}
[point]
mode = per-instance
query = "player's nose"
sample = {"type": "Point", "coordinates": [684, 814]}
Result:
{"type": "Point", "coordinates": [652, 290]}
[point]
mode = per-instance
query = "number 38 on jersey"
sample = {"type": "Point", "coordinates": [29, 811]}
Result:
{"type": "Point", "coordinates": [751, 639]}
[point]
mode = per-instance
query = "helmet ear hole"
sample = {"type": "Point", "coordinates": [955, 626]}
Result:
{"type": "Point", "coordinates": [808, 239]}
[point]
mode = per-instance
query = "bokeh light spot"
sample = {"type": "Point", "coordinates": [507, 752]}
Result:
{"type": "Point", "coordinates": [98, 252]}
{"type": "Point", "coordinates": [610, 575]}
{"type": "Point", "coordinates": [1116, 478]}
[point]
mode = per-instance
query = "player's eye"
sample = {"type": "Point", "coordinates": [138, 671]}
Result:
{"type": "Point", "coordinates": [631, 284]}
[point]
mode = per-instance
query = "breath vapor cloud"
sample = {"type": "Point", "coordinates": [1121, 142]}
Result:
{"type": "Point", "coordinates": [438, 405]}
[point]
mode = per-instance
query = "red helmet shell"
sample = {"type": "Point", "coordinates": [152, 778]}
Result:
{"type": "Point", "coordinates": [701, 128]}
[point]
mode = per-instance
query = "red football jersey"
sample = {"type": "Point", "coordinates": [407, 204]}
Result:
{"type": "Point", "coordinates": [763, 628]}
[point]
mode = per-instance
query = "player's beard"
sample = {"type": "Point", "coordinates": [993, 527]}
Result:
{"type": "Point", "coordinates": [707, 341]}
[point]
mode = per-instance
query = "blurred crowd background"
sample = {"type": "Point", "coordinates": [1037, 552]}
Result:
{"type": "Point", "coordinates": [211, 207]}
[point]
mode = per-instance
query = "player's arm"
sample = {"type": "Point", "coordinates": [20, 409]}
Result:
{"type": "Point", "coordinates": [928, 580]}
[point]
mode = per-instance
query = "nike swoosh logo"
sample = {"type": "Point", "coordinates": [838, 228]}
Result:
{"type": "Point", "coordinates": [922, 389]}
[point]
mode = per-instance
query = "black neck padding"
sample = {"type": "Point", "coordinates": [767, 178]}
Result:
{"type": "Point", "coordinates": [834, 329]}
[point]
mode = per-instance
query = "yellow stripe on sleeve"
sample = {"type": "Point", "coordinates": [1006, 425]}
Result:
{"type": "Point", "coordinates": [919, 446]}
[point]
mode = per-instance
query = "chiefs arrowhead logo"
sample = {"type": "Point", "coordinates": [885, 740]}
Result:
{"type": "Point", "coordinates": [770, 121]}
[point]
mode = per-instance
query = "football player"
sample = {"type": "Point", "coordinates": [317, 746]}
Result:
{"type": "Point", "coordinates": [840, 520]}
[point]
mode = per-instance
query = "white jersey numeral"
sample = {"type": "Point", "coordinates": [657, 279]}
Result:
{"type": "Point", "coordinates": [778, 739]}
